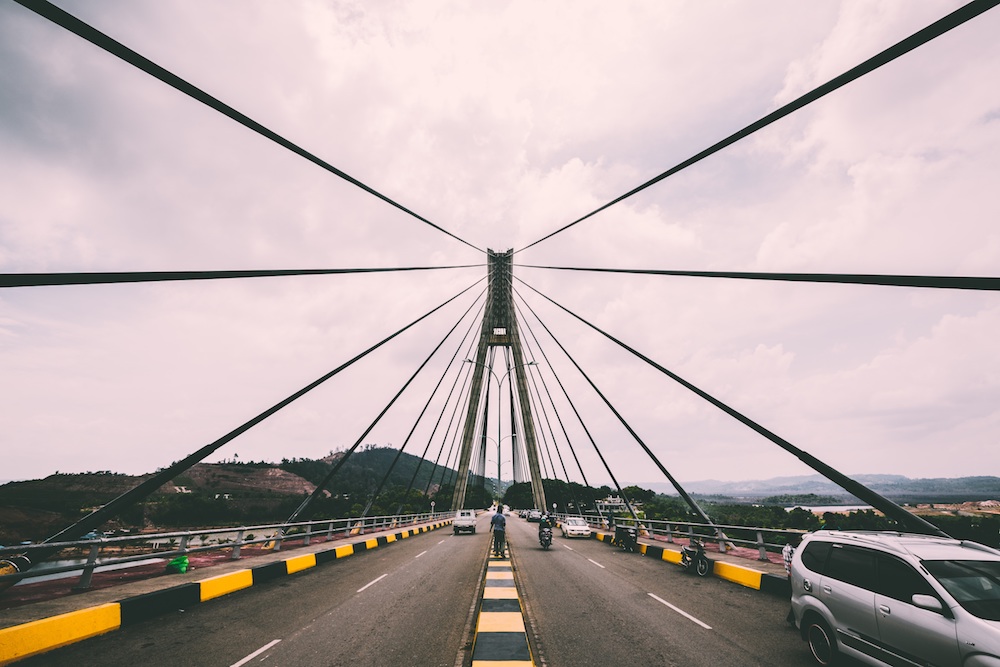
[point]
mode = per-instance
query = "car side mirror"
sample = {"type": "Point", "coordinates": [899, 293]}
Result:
{"type": "Point", "coordinates": [928, 602]}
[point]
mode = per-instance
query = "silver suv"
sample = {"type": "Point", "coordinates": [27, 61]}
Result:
{"type": "Point", "coordinates": [897, 599]}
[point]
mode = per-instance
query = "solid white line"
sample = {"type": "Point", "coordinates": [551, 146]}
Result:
{"type": "Point", "coordinates": [255, 654]}
{"type": "Point", "coordinates": [681, 612]}
{"type": "Point", "coordinates": [420, 554]}
{"type": "Point", "coordinates": [566, 547]}
{"type": "Point", "coordinates": [370, 583]}
{"type": "Point", "coordinates": [441, 542]}
{"type": "Point", "coordinates": [596, 563]}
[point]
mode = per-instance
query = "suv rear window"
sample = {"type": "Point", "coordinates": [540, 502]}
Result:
{"type": "Point", "coordinates": [814, 556]}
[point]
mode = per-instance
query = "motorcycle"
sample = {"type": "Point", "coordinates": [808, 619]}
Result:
{"type": "Point", "coordinates": [545, 537]}
{"type": "Point", "coordinates": [694, 554]}
{"type": "Point", "coordinates": [626, 538]}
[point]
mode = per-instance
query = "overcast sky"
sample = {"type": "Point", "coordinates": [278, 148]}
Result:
{"type": "Point", "coordinates": [501, 122]}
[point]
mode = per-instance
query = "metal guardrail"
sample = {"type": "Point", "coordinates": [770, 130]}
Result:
{"type": "Point", "coordinates": [164, 546]}
{"type": "Point", "coordinates": [749, 536]}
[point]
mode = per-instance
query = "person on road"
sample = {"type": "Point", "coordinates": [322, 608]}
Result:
{"type": "Point", "coordinates": [498, 524]}
{"type": "Point", "coordinates": [788, 552]}
{"type": "Point", "coordinates": [545, 522]}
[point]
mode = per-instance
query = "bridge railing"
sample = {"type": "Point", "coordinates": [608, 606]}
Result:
{"type": "Point", "coordinates": [87, 555]}
{"type": "Point", "coordinates": [764, 540]}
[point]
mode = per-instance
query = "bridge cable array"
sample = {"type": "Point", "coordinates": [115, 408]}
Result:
{"type": "Point", "coordinates": [437, 424]}
{"type": "Point", "coordinates": [940, 282]}
{"type": "Point", "coordinates": [423, 411]}
{"type": "Point", "coordinates": [687, 498]}
{"type": "Point", "coordinates": [860, 491]}
{"type": "Point", "coordinates": [541, 407]}
{"type": "Point", "coordinates": [97, 38]}
{"type": "Point", "coordinates": [340, 463]}
{"type": "Point", "coordinates": [148, 486]}
{"type": "Point", "coordinates": [936, 29]}
{"type": "Point", "coordinates": [95, 278]}
{"type": "Point", "coordinates": [101, 40]}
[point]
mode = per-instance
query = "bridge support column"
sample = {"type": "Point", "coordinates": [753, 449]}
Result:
{"type": "Point", "coordinates": [499, 329]}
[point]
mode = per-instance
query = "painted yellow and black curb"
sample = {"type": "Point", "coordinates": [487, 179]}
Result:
{"type": "Point", "coordinates": [500, 639]}
{"type": "Point", "coordinates": [738, 574]}
{"type": "Point", "coordinates": [27, 639]}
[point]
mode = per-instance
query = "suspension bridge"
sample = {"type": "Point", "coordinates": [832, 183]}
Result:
{"type": "Point", "coordinates": [503, 371]}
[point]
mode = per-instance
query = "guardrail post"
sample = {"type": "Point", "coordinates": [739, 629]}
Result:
{"type": "Point", "coordinates": [760, 546]}
{"type": "Point", "coordinates": [670, 534]}
{"type": "Point", "coordinates": [329, 532]}
{"type": "Point", "coordinates": [184, 543]}
{"type": "Point", "coordinates": [88, 569]}
{"type": "Point", "coordinates": [722, 540]}
{"type": "Point", "coordinates": [308, 538]}
{"type": "Point", "coordinates": [239, 543]}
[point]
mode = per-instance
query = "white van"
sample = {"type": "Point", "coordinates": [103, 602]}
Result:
{"type": "Point", "coordinates": [465, 521]}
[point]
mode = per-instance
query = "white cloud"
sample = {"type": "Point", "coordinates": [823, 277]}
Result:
{"type": "Point", "coordinates": [501, 123]}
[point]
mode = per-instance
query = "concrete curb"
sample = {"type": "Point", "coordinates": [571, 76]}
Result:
{"type": "Point", "coordinates": [500, 638]}
{"type": "Point", "coordinates": [27, 639]}
{"type": "Point", "coordinates": [738, 574]}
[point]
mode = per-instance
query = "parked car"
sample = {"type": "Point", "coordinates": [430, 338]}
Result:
{"type": "Point", "coordinates": [534, 516]}
{"type": "Point", "coordinates": [886, 598]}
{"type": "Point", "coordinates": [465, 521]}
{"type": "Point", "coordinates": [574, 526]}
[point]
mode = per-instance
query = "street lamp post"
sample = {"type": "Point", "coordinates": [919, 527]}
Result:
{"type": "Point", "coordinates": [498, 466]}
{"type": "Point", "coordinates": [499, 407]}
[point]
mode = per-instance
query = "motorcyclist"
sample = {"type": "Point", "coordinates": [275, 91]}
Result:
{"type": "Point", "coordinates": [546, 522]}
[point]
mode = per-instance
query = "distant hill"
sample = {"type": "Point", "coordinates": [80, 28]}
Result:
{"type": "Point", "coordinates": [213, 493]}
{"type": "Point", "coordinates": [894, 487]}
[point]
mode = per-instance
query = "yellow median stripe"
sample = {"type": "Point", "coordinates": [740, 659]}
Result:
{"type": "Point", "coordinates": [299, 563]}
{"type": "Point", "coordinates": [501, 621]}
{"type": "Point", "coordinates": [500, 575]}
{"type": "Point", "coordinates": [371, 544]}
{"type": "Point", "coordinates": [224, 584]}
{"type": "Point", "coordinates": [502, 663]}
{"type": "Point", "coordinates": [26, 639]}
{"type": "Point", "coordinates": [499, 593]}
{"type": "Point", "coordinates": [390, 538]}
{"type": "Point", "coordinates": [344, 551]}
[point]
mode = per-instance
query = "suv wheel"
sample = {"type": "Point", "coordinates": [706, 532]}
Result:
{"type": "Point", "coordinates": [822, 645]}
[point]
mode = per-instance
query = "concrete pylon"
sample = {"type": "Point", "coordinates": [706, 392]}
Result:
{"type": "Point", "coordinates": [499, 329]}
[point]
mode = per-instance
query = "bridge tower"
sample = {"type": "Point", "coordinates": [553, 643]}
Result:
{"type": "Point", "coordinates": [499, 330]}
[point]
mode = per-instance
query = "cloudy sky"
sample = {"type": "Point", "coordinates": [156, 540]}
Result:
{"type": "Point", "coordinates": [501, 122]}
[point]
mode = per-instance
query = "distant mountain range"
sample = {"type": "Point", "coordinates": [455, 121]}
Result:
{"type": "Point", "coordinates": [895, 487]}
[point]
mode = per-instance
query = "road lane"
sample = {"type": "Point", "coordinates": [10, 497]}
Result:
{"type": "Point", "coordinates": [409, 602]}
{"type": "Point", "coordinates": [593, 604]}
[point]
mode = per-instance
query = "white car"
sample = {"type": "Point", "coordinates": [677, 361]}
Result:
{"type": "Point", "coordinates": [574, 526]}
